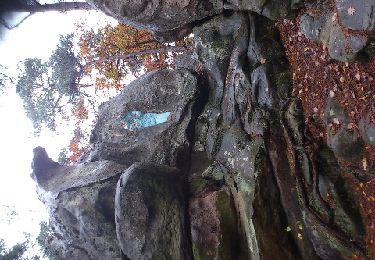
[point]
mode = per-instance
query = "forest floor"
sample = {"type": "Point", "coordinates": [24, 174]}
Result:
{"type": "Point", "coordinates": [316, 77]}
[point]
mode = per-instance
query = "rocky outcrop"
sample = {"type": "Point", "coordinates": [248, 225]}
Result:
{"type": "Point", "coordinates": [80, 201]}
{"type": "Point", "coordinates": [341, 27]}
{"type": "Point", "coordinates": [173, 91]}
{"type": "Point", "coordinates": [150, 213]}
{"type": "Point", "coordinates": [234, 173]}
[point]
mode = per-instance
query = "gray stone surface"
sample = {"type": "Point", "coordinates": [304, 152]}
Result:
{"type": "Point", "coordinates": [171, 91]}
{"type": "Point", "coordinates": [367, 130]}
{"type": "Point", "coordinates": [344, 142]}
{"type": "Point", "coordinates": [357, 14]}
{"type": "Point", "coordinates": [325, 28]}
{"type": "Point", "coordinates": [80, 201]}
{"type": "Point", "coordinates": [157, 15]}
{"type": "Point", "coordinates": [234, 165]}
{"type": "Point", "coordinates": [150, 213]}
{"type": "Point", "coordinates": [273, 9]}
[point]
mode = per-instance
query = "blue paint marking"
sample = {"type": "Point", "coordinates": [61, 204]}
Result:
{"type": "Point", "coordinates": [137, 120]}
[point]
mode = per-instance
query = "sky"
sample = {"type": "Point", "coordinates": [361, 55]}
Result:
{"type": "Point", "coordinates": [20, 209]}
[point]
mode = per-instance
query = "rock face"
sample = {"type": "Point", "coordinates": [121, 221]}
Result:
{"type": "Point", "coordinates": [80, 201]}
{"type": "Point", "coordinates": [340, 27]}
{"type": "Point", "coordinates": [150, 213]}
{"type": "Point", "coordinates": [171, 91]}
{"type": "Point", "coordinates": [233, 173]}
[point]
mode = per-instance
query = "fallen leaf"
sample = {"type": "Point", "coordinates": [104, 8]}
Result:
{"type": "Point", "coordinates": [351, 10]}
{"type": "Point", "coordinates": [364, 164]}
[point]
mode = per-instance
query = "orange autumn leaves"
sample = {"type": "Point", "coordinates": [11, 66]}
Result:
{"type": "Point", "coordinates": [107, 56]}
{"type": "Point", "coordinates": [98, 51]}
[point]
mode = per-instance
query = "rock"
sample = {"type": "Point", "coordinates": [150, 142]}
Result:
{"type": "Point", "coordinates": [271, 9]}
{"type": "Point", "coordinates": [232, 172]}
{"type": "Point", "coordinates": [186, 61]}
{"type": "Point", "coordinates": [171, 20]}
{"type": "Point", "coordinates": [344, 142]}
{"type": "Point", "coordinates": [80, 200]}
{"type": "Point", "coordinates": [159, 16]}
{"type": "Point", "coordinates": [43, 166]}
{"type": "Point", "coordinates": [214, 225]}
{"type": "Point", "coordinates": [367, 130]}
{"type": "Point", "coordinates": [357, 14]}
{"type": "Point", "coordinates": [324, 28]}
{"type": "Point", "coordinates": [172, 91]}
{"type": "Point", "coordinates": [150, 213]}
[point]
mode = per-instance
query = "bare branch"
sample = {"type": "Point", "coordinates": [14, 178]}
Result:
{"type": "Point", "coordinates": [139, 53]}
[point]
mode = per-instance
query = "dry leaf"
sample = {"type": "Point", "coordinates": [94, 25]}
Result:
{"type": "Point", "coordinates": [351, 10]}
{"type": "Point", "coordinates": [364, 164]}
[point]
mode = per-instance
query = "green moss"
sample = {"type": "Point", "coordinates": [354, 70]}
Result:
{"type": "Point", "coordinates": [283, 78]}
{"type": "Point", "coordinates": [221, 49]}
{"type": "Point", "coordinates": [200, 253]}
{"type": "Point", "coordinates": [197, 185]}
{"type": "Point", "coordinates": [213, 172]}
{"type": "Point", "coordinates": [243, 184]}
{"type": "Point", "coordinates": [317, 207]}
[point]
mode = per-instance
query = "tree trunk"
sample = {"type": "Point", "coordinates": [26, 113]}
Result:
{"type": "Point", "coordinates": [60, 7]}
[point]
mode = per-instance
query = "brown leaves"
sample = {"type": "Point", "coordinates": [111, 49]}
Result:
{"type": "Point", "coordinates": [98, 49]}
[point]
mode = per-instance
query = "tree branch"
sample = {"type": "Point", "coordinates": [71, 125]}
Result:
{"type": "Point", "coordinates": [60, 7]}
{"type": "Point", "coordinates": [143, 52]}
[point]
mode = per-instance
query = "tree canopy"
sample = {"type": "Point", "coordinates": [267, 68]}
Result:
{"type": "Point", "coordinates": [16, 252]}
{"type": "Point", "coordinates": [46, 87]}
{"type": "Point", "coordinates": [121, 50]}
{"type": "Point", "coordinates": [56, 89]}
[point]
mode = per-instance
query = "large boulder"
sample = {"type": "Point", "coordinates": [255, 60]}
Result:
{"type": "Point", "coordinates": [164, 91]}
{"type": "Point", "coordinates": [157, 15]}
{"type": "Point", "coordinates": [171, 20]}
{"type": "Point", "coordinates": [326, 28]}
{"type": "Point", "coordinates": [357, 14]}
{"type": "Point", "coordinates": [80, 201]}
{"type": "Point", "coordinates": [273, 9]}
{"type": "Point", "coordinates": [151, 221]}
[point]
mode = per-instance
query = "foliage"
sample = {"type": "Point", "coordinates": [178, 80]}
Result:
{"type": "Point", "coordinates": [65, 67]}
{"type": "Point", "coordinates": [45, 86]}
{"type": "Point", "coordinates": [16, 252]}
{"type": "Point", "coordinates": [121, 41]}
{"type": "Point", "coordinates": [54, 90]}
{"type": "Point", "coordinates": [45, 238]}
{"type": "Point", "coordinates": [5, 80]}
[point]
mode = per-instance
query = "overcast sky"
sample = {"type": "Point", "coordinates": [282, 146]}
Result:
{"type": "Point", "coordinates": [20, 210]}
